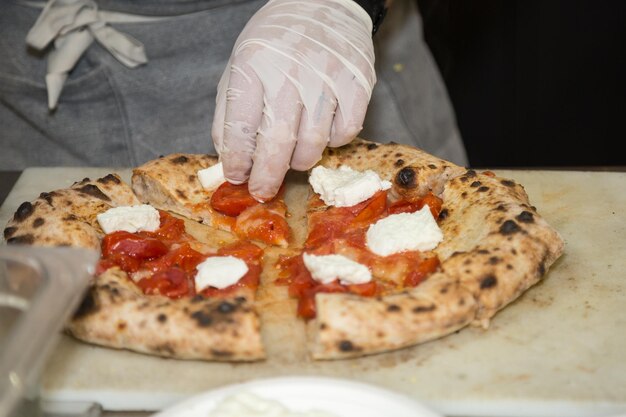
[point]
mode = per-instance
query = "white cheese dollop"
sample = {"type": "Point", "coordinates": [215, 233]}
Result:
{"type": "Point", "coordinates": [212, 177]}
{"type": "Point", "coordinates": [247, 404]}
{"type": "Point", "coordinates": [327, 268]}
{"type": "Point", "coordinates": [345, 187]}
{"type": "Point", "coordinates": [219, 272]}
{"type": "Point", "coordinates": [131, 219]}
{"type": "Point", "coordinates": [404, 231]}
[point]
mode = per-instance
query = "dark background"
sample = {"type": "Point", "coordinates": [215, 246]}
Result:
{"type": "Point", "coordinates": [533, 83]}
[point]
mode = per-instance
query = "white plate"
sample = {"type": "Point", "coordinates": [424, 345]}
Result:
{"type": "Point", "coordinates": [341, 397]}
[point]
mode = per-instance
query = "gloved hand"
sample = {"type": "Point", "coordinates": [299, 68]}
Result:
{"type": "Point", "coordinates": [299, 79]}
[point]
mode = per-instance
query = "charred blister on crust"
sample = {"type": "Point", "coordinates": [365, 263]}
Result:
{"type": "Point", "coordinates": [525, 217]}
{"type": "Point", "coordinates": [488, 282]}
{"type": "Point", "coordinates": [108, 179]}
{"type": "Point", "coordinates": [47, 197]}
{"type": "Point", "coordinates": [501, 207]}
{"type": "Point", "coordinates": [482, 189]}
{"type": "Point", "coordinates": [94, 191]}
{"type": "Point", "coordinates": [392, 308]}
{"type": "Point", "coordinates": [9, 231]}
{"type": "Point", "coordinates": [323, 326]}
{"type": "Point", "coordinates": [203, 318]}
{"type": "Point", "coordinates": [399, 163]}
{"type": "Point", "coordinates": [432, 166]}
{"type": "Point", "coordinates": [165, 349]}
{"type": "Point", "coordinates": [27, 239]}
{"type": "Point", "coordinates": [406, 178]}
{"type": "Point", "coordinates": [226, 308]}
{"type": "Point", "coordinates": [443, 214]}
{"type": "Point", "coordinates": [347, 346]}
{"type": "Point", "coordinates": [508, 183]}
{"type": "Point", "coordinates": [182, 159]}
{"type": "Point", "coordinates": [476, 184]}
{"type": "Point", "coordinates": [427, 309]}
{"type": "Point", "coordinates": [494, 260]}
{"type": "Point", "coordinates": [371, 146]}
{"type": "Point", "coordinates": [23, 212]}
{"type": "Point", "coordinates": [162, 318]}
{"type": "Point", "coordinates": [38, 222]}
{"type": "Point", "coordinates": [87, 307]}
{"type": "Point", "coordinates": [191, 178]}
{"type": "Point", "coordinates": [509, 227]}
{"type": "Point", "coordinates": [70, 218]}
{"type": "Point", "coordinates": [181, 194]}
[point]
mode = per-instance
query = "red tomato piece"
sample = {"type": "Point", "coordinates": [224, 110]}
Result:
{"type": "Point", "coordinates": [171, 228]}
{"type": "Point", "coordinates": [183, 257]}
{"type": "Point", "coordinates": [374, 207]}
{"type": "Point", "coordinates": [434, 203]}
{"type": "Point", "coordinates": [405, 206]}
{"type": "Point", "coordinates": [133, 245]}
{"type": "Point", "coordinates": [421, 271]}
{"type": "Point", "coordinates": [248, 252]}
{"type": "Point", "coordinates": [232, 199]}
{"type": "Point", "coordinates": [367, 289]}
{"type": "Point", "coordinates": [173, 283]}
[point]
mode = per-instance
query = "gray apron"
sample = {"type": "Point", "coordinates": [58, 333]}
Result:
{"type": "Point", "coordinates": [111, 114]}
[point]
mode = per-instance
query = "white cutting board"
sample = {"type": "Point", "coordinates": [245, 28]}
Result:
{"type": "Point", "coordinates": [558, 350]}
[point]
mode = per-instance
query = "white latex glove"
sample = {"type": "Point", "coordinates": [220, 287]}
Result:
{"type": "Point", "coordinates": [299, 79]}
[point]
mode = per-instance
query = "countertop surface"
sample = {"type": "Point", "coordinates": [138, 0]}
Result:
{"type": "Point", "coordinates": [558, 350]}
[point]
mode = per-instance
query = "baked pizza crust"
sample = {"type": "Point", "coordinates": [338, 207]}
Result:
{"type": "Point", "coordinates": [114, 312]}
{"type": "Point", "coordinates": [171, 183]}
{"type": "Point", "coordinates": [495, 247]}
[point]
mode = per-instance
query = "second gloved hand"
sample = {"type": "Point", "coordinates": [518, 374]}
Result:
{"type": "Point", "coordinates": [299, 79]}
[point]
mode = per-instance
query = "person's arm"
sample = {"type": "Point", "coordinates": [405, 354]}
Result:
{"type": "Point", "coordinates": [299, 79]}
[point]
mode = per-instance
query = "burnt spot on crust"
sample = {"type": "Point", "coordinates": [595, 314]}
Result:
{"type": "Point", "coordinates": [371, 146]}
{"type": "Point", "coordinates": [240, 300]}
{"type": "Point", "coordinates": [87, 306]}
{"type": "Point", "coordinates": [501, 207]}
{"type": "Point", "coordinates": [476, 184]}
{"type": "Point", "coordinates": [47, 197]}
{"type": "Point", "coordinates": [9, 231]}
{"type": "Point", "coordinates": [483, 251]}
{"type": "Point", "coordinates": [424, 309]}
{"type": "Point", "coordinates": [392, 308]}
{"type": "Point", "coordinates": [525, 217]}
{"type": "Point", "coordinates": [203, 318]}
{"type": "Point", "coordinates": [488, 282]}
{"type": "Point", "coordinates": [399, 163]}
{"type": "Point", "coordinates": [93, 191]}
{"type": "Point", "coordinates": [432, 166]}
{"type": "Point", "coordinates": [443, 214]}
{"type": "Point", "coordinates": [509, 227]}
{"type": "Point", "coordinates": [398, 154]}
{"type": "Point", "coordinates": [27, 239]}
{"type": "Point", "coordinates": [226, 308]}
{"type": "Point", "coordinates": [179, 160]}
{"type": "Point", "coordinates": [162, 318]}
{"type": "Point", "coordinates": [406, 178]}
{"type": "Point", "coordinates": [346, 346]}
{"type": "Point", "coordinates": [482, 189]}
{"type": "Point", "coordinates": [221, 353]}
{"type": "Point", "coordinates": [109, 179]}
{"type": "Point", "coordinates": [323, 326]}
{"type": "Point", "coordinates": [23, 212]}
{"type": "Point", "coordinates": [464, 194]}
{"type": "Point", "coordinates": [541, 268]}
{"type": "Point", "coordinates": [121, 326]}
{"type": "Point", "coordinates": [70, 218]}
{"type": "Point", "coordinates": [38, 222]}
{"type": "Point", "coordinates": [191, 178]}
{"type": "Point", "coordinates": [494, 260]}
{"type": "Point", "coordinates": [508, 183]}
{"type": "Point", "coordinates": [181, 194]}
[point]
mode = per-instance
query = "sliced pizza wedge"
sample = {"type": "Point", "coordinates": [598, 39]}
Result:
{"type": "Point", "coordinates": [173, 183]}
{"type": "Point", "coordinates": [157, 289]}
{"type": "Point", "coordinates": [494, 246]}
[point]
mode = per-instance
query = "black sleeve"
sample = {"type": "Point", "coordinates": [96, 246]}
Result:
{"type": "Point", "coordinates": [376, 9]}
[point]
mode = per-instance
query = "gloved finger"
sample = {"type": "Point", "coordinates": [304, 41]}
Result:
{"type": "Point", "coordinates": [351, 108]}
{"type": "Point", "coordinates": [275, 142]}
{"type": "Point", "coordinates": [217, 129]}
{"type": "Point", "coordinates": [314, 131]}
{"type": "Point", "coordinates": [244, 110]}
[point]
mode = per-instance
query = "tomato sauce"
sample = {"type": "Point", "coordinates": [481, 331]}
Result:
{"type": "Point", "coordinates": [342, 230]}
{"type": "Point", "coordinates": [163, 262]}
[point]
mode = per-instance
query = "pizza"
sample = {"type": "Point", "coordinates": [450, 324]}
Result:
{"type": "Point", "coordinates": [400, 248]}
